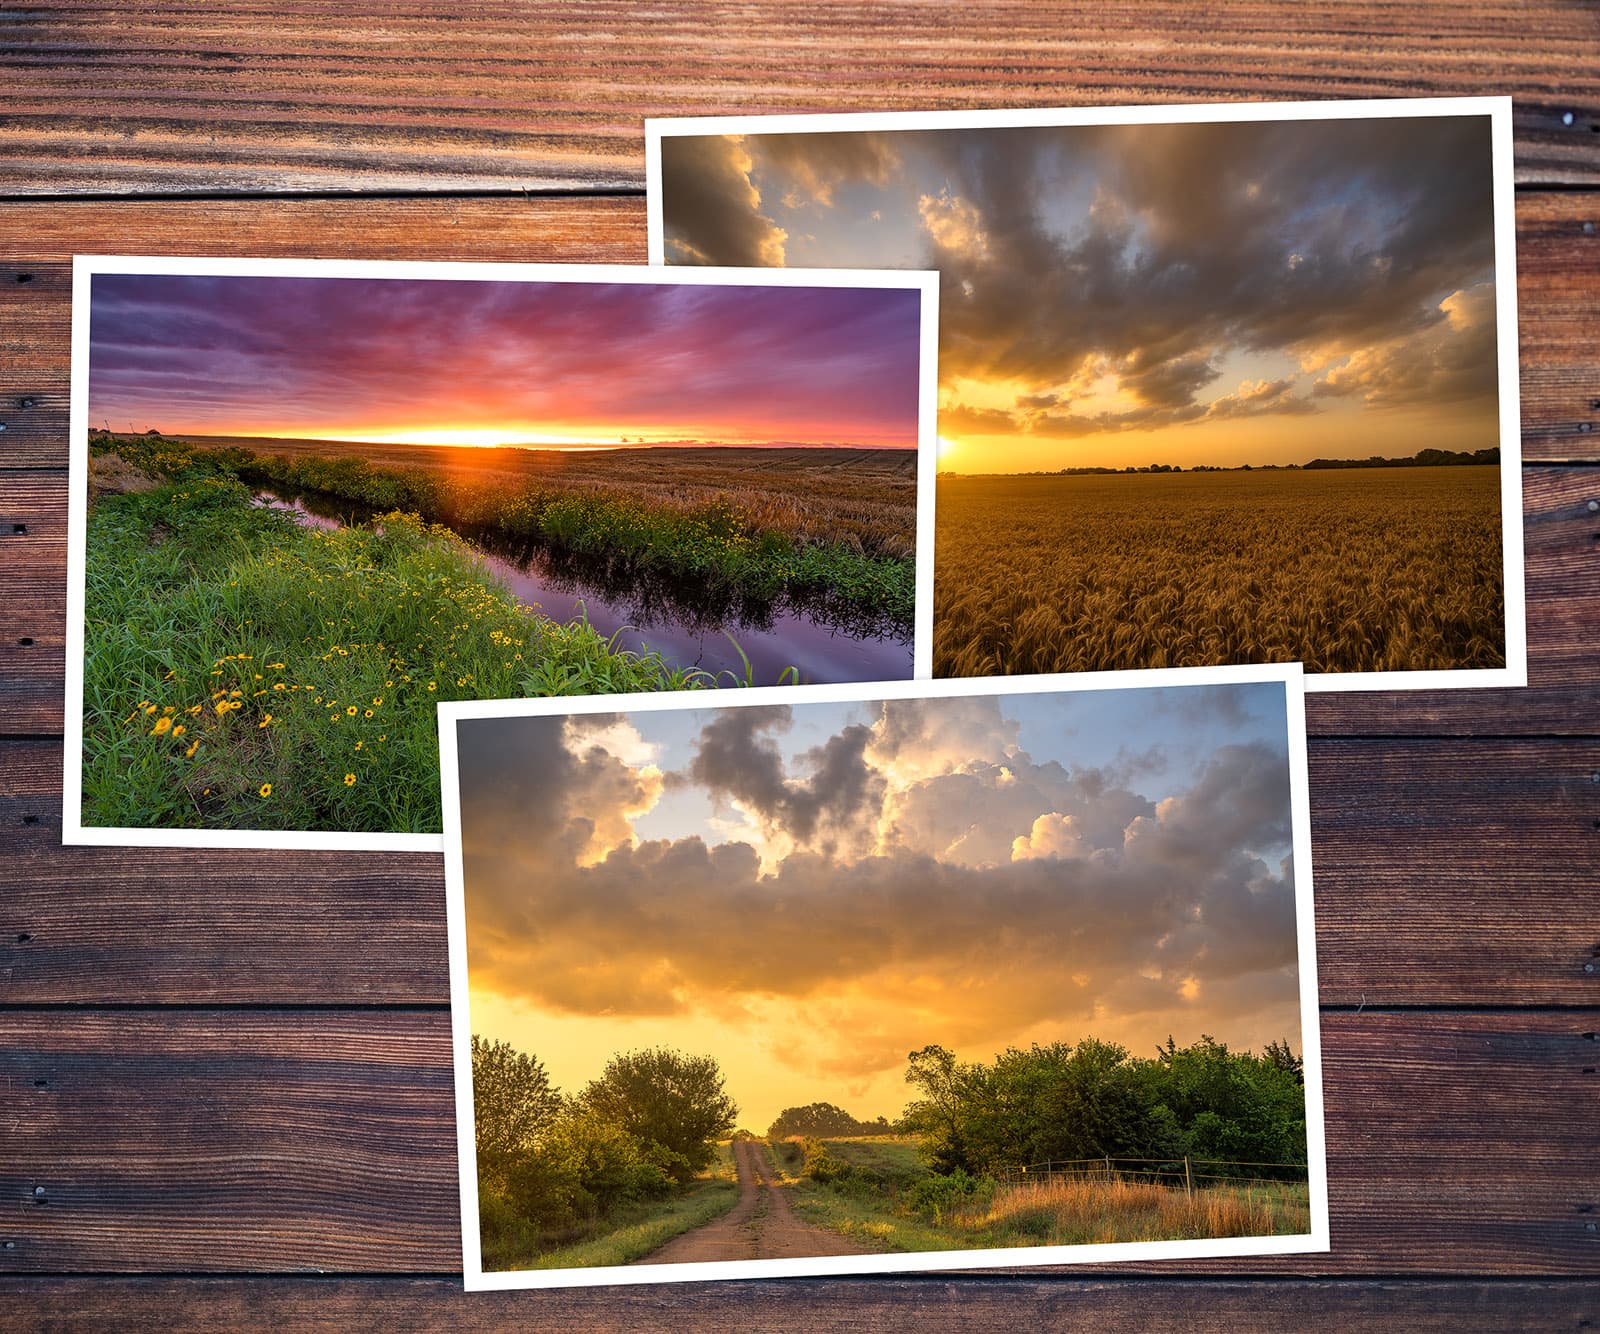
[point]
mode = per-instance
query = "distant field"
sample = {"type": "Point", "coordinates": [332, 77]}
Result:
{"type": "Point", "coordinates": [1390, 569]}
{"type": "Point", "coordinates": [880, 1191]}
{"type": "Point", "coordinates": [869, 495]}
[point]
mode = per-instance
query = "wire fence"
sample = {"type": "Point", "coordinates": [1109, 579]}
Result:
{"type": "Point", "coordinates": [1186, 1174]}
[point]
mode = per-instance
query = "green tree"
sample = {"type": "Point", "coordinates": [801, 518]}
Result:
{"type": "Point", "coordinates": [512, 1101]}
{"type": "Point", "coordinates": [665, 1099]}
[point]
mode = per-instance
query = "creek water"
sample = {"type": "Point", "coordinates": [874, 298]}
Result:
{"type": "Point", "coordinates": [686, 626]}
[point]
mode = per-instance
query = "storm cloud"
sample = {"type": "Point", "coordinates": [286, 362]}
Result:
{"type": "Point", "coordinates": [1098, 279]}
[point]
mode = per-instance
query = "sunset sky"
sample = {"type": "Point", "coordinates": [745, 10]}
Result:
{"type": "Point", "coordinates": [425, 361]}
{"type": "Point", "coordinates": [810, 892]}
{"type": "Point", "coordinates": [1112, 295]}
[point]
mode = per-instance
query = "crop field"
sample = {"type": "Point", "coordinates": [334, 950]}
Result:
{"type": "Point", "coordinates": [866, 497]}
{"type": "Point", "coordinates": [1349, 570]}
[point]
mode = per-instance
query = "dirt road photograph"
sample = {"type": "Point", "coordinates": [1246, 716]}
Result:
{"type": "Point", "coordinates": [867, 980]}
{"type": "Point", "coordinates": [1216, 389]}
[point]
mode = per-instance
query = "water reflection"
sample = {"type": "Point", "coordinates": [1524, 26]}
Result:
{"type": "Point", "coordinates": [826, 640]}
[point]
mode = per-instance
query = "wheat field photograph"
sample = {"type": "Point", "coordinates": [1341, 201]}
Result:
{"type": "Point", "coordinates": [878, 983]}
{"type": "Point", "coordinates": [316, 504]}
{"type": "Point", "coordinates": [1211, 391]}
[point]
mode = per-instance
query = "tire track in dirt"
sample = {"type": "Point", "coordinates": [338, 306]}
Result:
{"type": "Point", "coordinates": [761, 1226]}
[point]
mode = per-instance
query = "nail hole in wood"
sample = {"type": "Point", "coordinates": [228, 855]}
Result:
{"type": "Point", "coordinates": [23, 937]}
{"type": "Point", "coordinates": [24, 277]}
{"type": "Point", "coordinates": [10, 1245]}
{"type": "Point", "coordinates": [27, 402]}
{"type": "Point", "coordinates": [26, 641]}
{"type": "Point", "coordinates": [1588, 1070]}
{"type": "Point", "coordinates": [34, 819]}
{"type": "Point", "coordinates": [41, 1083]}
{"type": "Point", "coordinates": [17, 527]}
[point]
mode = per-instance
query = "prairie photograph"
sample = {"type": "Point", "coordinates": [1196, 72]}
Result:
{"type": "Point", "coordinates": [1210, 392]}
{"type": "Point", "coordinates": [318, 505]}
{"type": "Point", "coordinates": [872, 979]}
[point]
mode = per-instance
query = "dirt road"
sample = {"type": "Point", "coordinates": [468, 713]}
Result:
{"type": "Point", "coordinates": [761, 1226]}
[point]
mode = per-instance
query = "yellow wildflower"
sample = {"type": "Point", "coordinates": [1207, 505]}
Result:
{"type": "Point", "coordinates": [189, 754]}
{"type": "Point", "coordinates": [266, 789]}
{"type": "Point", "coordinates": [264, 722]}
{"type": "Point", "coordinates": [149, 708]}
{"type": "Point", "coordinates": [349, 780]}
{"type": "Point", "coordinates": [162, 725]}
{"type": "Point", "coordinates": [179, 730]}
{"type": "Point", "coordinates": [369, 713]}
{"type": "Point", "coordinates": [351, 710]}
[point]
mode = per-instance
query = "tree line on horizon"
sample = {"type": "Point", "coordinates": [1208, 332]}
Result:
{"type": "Point", "coordinates": [1423, 458]}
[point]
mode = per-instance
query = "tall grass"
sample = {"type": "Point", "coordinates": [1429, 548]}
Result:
{"type": "Point", "coordinates": [883, 1193]}
{"type": "Point", "coordinates": [1391, 569]}
{"type": "Point", "coordinates": [617, 1239]}
{"type": "Point", "coordinates": [1074, 1212]}
{"type": "Point", "coordinates": [737, 541]}
{"type": "Point", "coordinates": [242, 672]}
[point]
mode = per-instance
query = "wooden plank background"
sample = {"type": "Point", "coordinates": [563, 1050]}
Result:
{"type": "Point", "coordinates": [224, 1079]}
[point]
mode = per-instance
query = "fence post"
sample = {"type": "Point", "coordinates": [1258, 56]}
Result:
{"type": "Point", "coordinates": [1188, 1181]}
{"type": "Point", "coordinates": [1108, 1169]}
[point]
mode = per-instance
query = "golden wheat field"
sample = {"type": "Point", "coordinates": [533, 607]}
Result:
{"type": "Point", "coordinates": [1348, 570]}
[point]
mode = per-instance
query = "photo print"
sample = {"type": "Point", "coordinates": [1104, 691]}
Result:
{"type": "Point", "coordinates": [311, 500]}
{"type": "Point", "coordinates": [1217, 384]}
{"type": "Point", "coordinates": [868, 978]}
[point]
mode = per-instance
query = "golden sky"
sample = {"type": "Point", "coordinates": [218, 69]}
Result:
{"type": "Point", "coordinates": [1255, 292]}
{"type": "Point", "coordinates": [808, 893]}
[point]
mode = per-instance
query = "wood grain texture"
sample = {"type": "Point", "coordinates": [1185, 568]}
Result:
{"type": "Point", "coordinates": [1447, 872]}
{"type": "Point", "coordinates": [1561, 550]}
{"type": "Point", "coordinates": [1558, 251]}
{"type": "Point", "coordinates": [910, 1304]}
{"type": "Point", "coordinates": [239, 1141]}
{"type": "Point", "coordinates": [325, 97]}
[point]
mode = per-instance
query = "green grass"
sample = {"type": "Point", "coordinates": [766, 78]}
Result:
{"type": "Point", "coordinates": [892, 1159]}
{"type": "Point", "coordinates": [629, 1235]}
{"type": "Point", "coordinates": [892, 1201]}
{"type": "Point", "coordinates": [242, 672]}
{"type": "Point", "coordinates": [716, 542]}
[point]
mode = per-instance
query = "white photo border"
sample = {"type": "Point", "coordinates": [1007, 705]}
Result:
{"type": "Point", "coordinates": [86, 267]}
{"type": "Point", "coordinates": [1317, 1239]}
{"type": "Point", "coordinates": [1497, 109]}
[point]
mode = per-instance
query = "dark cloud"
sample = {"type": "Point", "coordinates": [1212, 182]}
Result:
{"type": "Point", "coordinates": [1157, 251]}
{"type": "Point", "coordinates": [736, 759]}
{"type": "Point", "coordinates": [713, 176]}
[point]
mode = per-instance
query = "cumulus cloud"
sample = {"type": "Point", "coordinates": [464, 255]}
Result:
{"type": "Point", "coordinates": [999, 893]}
